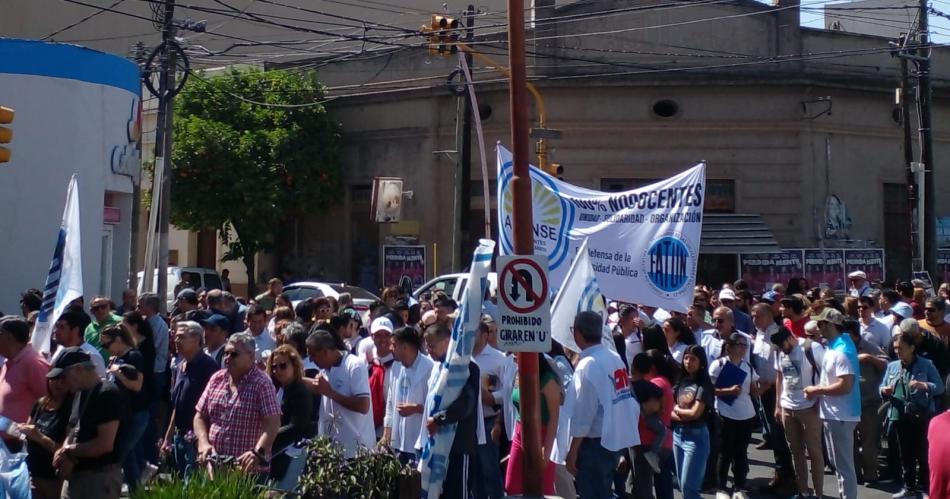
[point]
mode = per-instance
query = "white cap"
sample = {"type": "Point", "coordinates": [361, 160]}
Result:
{"type": "Point", "coordinates": [727, 294]}
{"type": "Point", "coordinates": [858, 274]}
{"type": "Point", "coordinates": [381, 324]}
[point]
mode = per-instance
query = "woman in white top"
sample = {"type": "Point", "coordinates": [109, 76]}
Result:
{"type": "Point", "coordinates": [407, 394]}
{"type": "Point", "coordinates": [678, 337]}
{"type": "Point", "coordinates": [736, 383]}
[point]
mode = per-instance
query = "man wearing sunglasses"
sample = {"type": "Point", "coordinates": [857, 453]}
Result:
{"type": "Point", "coordinates": [238, 414]}
{"type": "Point", "coordinates": [102, 311]}
{"type": "Point", "coordinates": [872, 329]}
{"type": "Point", "coordinates": [934, 321]}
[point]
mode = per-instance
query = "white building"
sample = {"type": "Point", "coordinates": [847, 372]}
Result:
{"type": "Point", "coordinates": [77, 111]}
{"type": "Point", "coordinates": [887, 18]}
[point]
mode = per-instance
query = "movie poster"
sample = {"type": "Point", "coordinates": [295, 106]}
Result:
{"type": "Point", "coordinates": [404, 266]}
{"type": "Point", "coordinates": [761, 270]}
{"type": "Point", "coordinates": [871, 261]}
{"type": "Point", "coordinates": [825, 268]}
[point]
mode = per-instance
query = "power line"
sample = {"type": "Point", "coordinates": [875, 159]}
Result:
{"type": "Point", "coordinates": [84, 19]}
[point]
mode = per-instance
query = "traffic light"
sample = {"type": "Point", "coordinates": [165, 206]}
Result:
{"type": "Point", "coordinates": [443, 35]}
{"type": "Point", "coordinates": [6, 133]}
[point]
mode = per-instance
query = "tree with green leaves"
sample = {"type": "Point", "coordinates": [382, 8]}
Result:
{"type": "Point", "coordinates": [252, 150]}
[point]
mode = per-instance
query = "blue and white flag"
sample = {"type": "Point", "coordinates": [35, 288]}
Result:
{"type": "Point", "coordinates": [64, 282]}
{"type": "Point", "coordinates": [444, 389]}
{"type": "Point", "coordinates": [580, 293]}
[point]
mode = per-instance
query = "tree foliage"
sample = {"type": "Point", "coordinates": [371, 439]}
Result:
{"type": "Point", "coordinates": [242, 168]}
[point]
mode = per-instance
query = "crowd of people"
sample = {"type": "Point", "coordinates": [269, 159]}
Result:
{"type": "Point", "coordinates": [848, 382]}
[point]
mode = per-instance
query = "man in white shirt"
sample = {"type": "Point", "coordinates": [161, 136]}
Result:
{"type": "Point", "coordinates": [68, 332]}
{"type": "Point", "coordinates": [366, 348]}
{"type": "Point", "coordinates": [839, 398]}
{"type": "Point", "coordinates": [605, 425]}
{"type": "Point", "coordinates": [345, 407]}
{"type": "Point", "coordinates": [797, 366]}
{"type": "Point", "coordinates": [873, 330]}
{"type": "Point", "coordinates": [495, 389]}
{"type": "Point", "coordinates": [256, 322]}
{"type": "Point", "coordinates": [859, 284]}
{"type": "Point", "coordinates": [714, 340]}
{"type": "Point", "coordinates": [407, 395]}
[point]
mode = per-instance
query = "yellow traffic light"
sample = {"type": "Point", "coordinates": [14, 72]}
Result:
{"type": "Point", "coordinates": [442, 35]}
{"type": "Point", "coordinates": [6, 134]}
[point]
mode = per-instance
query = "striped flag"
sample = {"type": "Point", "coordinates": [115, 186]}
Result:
{"type": "Point", "coordinates": [454, 372]}
{"type": "Point", "coordinates": [579, 293]}
{"type": "Point", "coordinates": [64, 282]}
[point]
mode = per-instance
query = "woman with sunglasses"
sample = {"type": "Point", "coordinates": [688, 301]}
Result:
{"type": "Point", "coordinates": [736, 383]}
{"type": "Point", "coordinates": [296, 405]}
{"type": "Point", "coordinates": [128, 371]}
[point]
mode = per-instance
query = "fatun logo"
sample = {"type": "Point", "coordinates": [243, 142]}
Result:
{"type": "Point", "coordinates": [668, 264]}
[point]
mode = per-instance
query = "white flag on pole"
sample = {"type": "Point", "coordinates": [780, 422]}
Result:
{"type": "Point", "coordinates": [64, 282]}
{"type": "Point", "coordinates": [579, 293]}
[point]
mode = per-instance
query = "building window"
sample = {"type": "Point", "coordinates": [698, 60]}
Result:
{"type": "Point", "coordinates": [720, 193]}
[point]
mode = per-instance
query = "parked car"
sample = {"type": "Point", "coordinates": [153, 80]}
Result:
{"type": "Point", "coordinates": [452, 285]}
{"type": "Point", "coordinates": [198, 277]}
{"type": "Point", "coordinates": [304, 290]}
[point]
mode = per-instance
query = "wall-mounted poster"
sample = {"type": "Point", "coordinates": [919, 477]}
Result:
{"type": "Point", "coordinates": [825, 267]}
{"type": "Point", "coordinates": [761, 270]}
{"type": "Point", "coordinates": [404, 266]}
{"type": "Point", "coordinates": [871, 261]}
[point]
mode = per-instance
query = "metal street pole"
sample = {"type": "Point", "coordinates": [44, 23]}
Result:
{"type": "Point", "coordinates": [924, 96]}
{"type": "Point", "coordinates": [465, 151]}
{"type": "Point", "coordinates": [912, 188]}
{"type": "Point", "coordinates": [524, 239]}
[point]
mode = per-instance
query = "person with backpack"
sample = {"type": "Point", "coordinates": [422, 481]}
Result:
{"type": "Point", "coordinates": [911, 384]}
{"type": "Point", "coordinates": [796, 366]}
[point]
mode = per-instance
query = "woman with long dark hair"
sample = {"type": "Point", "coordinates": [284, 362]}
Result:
{"type": "Point", "coordinates": [694, 396]}
{"type": "Point", "coordinates": [678, 337]}
{"type": "Point", "coordinates": [552, 395]}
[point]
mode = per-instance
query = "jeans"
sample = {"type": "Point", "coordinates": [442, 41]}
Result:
{"type": "Point", "coordinates": [736, 435]}
{"type": "Point", "coordinates": [839, 435]}
{"type": "Point", "coordinates": [185, 454]}
{"type": "Point", "coordinates": [595, 470]}
{"type": "Point", "coordinates": [643, 482]}
{"type": "Point", "coordinates": [128, 443]}
{"type": "Point", "coordinates": [151, 428]}
{"type": "Point", "coordinates": [690, 449]}
{"type": "Point", "coordinates": [489, 480]}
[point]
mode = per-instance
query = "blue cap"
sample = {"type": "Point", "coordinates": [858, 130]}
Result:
{"type": "Point", "coordinates": [770, 296]}
{"type": "Point", "coordinates": [217, 320]}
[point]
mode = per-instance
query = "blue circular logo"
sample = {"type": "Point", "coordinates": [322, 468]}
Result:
{"type": "Point", "coordinates": [668, 264]}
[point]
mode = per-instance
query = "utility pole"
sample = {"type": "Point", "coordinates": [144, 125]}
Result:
{"type": "Point", "coordinates": [924, 96]}
{"type": "Point", "coordinates": [465, 150]}
{"type": "Point", "coordinates": [904, 103]}
{"type": "Point", "coordinates": [524, 239]}
{"type": "Point", "coordinates": [163, 142]}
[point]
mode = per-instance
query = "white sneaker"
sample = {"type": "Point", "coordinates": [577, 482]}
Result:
{"type": "Point", "coordinates": [722, 494]}
{"type": "Point", "coordinates": [148, 473]}
{"type": "Point", "coordinates": [739, 495]}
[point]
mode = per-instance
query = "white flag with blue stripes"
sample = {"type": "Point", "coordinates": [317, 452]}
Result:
{"type": "Point", "coordinates": [446, 388]}
{"type": "Point", "coordinates": [64, 282]}
{"type": "Point", "coordinates": [580, 293]}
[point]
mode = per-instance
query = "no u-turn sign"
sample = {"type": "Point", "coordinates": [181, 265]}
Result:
{"type": "Point", "coordinates": [525, 323]}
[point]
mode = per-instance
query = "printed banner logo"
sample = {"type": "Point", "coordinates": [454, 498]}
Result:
{"type": "Point", "coordinates": [550, 216]}
{"type": "Point", "coordinates": [669, 265]}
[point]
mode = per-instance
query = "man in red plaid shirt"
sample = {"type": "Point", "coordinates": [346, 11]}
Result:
{"type": "Point", "coordinates": [238, 414]}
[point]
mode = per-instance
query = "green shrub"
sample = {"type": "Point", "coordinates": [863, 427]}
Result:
{"type": "Point", "coordinates": [372, 474]}
{"type": "Point", "coordinates": [227, 484]}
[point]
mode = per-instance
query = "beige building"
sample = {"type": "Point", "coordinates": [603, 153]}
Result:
{"type": "Point", "coordinates": [786, 117]}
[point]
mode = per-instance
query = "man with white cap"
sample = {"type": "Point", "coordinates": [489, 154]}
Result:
{"type": "Point", "coordinates": [859, 284]}
{"type": "Point", "coordinates": [366, 348]}
{"type": "Point", "coordinates": [742, 320]}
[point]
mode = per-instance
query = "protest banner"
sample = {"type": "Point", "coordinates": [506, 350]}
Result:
{"type": "Point", "coordinates": [404, 262]}
{"type": "Point", "coordinates": [825, 267]}
{"type": "Point", "coordinates": [761, 270]}
{"type": "Point", "coordinates": [644, 243]}
{"type": "Point", "coordinates": [868, 260]}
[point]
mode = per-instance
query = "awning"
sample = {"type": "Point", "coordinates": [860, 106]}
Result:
{"type": "Point", "coordinates": [733, 233]}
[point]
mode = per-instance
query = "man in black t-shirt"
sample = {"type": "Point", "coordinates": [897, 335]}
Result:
{"type": "Point", "coordinates": [89, 460]}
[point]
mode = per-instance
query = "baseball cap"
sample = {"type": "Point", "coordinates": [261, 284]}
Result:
{"type": "Point", "coordinates": [727, 294]}
{"type": "Point", "coordinates": [381, 324]}
{"type": "Point", "coordinates": [903, 309]}
{"type": "Point", "coordinates": [831, 315]}
{"type": "Point", "coordinates": [72, 356]}
{"type": "Point", "coordinates": [858, 274]}
{"type": "Point", "coordinates": [779, 337]}
{"type": "Point", "coordinates": [770, 297]}
{"type": "Point", "coordinates": [216, 320]}
{"type": "Point", "coordinates": [187, 294]}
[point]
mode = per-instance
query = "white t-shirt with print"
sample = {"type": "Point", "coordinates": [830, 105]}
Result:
{"type": "Point", "coordinates": [741, 408]}
{"type": "Point", "coordinates": [837, 407]}
{"type": "Point", "coordinates": [797, 373]}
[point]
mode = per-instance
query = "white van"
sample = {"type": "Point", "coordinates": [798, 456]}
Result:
{"type": "Point", "coordinates": [198, 277]}
{"type": "Point", "coordinates": [453, 285]}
